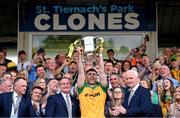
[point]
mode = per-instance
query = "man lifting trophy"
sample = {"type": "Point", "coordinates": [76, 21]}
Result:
{"type": "Point", "coordinates": [91, 46]}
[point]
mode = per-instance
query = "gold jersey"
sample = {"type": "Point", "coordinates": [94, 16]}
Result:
{"type": "Point", "coordinates": [92, 100]}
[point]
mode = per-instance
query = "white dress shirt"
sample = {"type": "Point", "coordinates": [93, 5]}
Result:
{"type": "Point", "coordinates": [133, 90]}
{"type": "Point", "coordinates": [64, 96]}
{"type": "Point", "coordinates": [20, 67]}
{"type": "Point", "coordinates": [14, 100]}
{"type": "Point", "coordinates": [38, 108]}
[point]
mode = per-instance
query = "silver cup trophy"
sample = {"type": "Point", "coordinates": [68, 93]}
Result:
{"type": "Point", "coordinates": [91, 46]}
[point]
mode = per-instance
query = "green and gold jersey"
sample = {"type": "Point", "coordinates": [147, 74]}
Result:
{"type": "Point", "coordinates": [92, 100]}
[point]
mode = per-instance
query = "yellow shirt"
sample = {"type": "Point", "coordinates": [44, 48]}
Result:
{"type": "Point", "coordinates": [92, 100]}
{"type": "Point", "coordinates": [165, 107]}
{"type": "Point", "coordinates": [176, 74]}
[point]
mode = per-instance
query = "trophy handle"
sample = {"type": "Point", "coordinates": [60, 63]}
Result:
{"type": "Point", "coordinates": [72, 47]}
{"type": "Point", "coordinates": [99, 44]}
{"type": "Point", "coordinates": [71, 50]}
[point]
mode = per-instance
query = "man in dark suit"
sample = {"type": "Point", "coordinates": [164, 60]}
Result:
{"type": "Point", "coordinates": [62, 104]}
{"type": "Point", "coordinates": [138, 101]}
{"type": "Point", "coordinates": [34, 103]}
{"type": "Point", "coordinates": [13, 104]}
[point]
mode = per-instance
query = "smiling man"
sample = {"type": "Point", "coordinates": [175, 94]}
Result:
{"type": "Point", "coordinates": [34, 104]}
{"type": "Point", "coordinates": [165, 74]}
{"type": "Point", "coordinates": [92, 94]}
{"type": "Point", "coordinates": [138, 101]}
{"type": "Point", "coordinates": [62, 104]}
{"type": "Point", "coordinates": [13, 104]}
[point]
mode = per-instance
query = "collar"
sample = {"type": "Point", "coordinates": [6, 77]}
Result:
{"type": "Point", "coordinates": [37, 107]}
{"type": "Point", "coordinates": [33, 102]}
{"type": "Point", "coordinates": [15, 97]}
{"type": "Point", "coordinates": [64, 95]}
{"type": "Point", "coordinates": [15, 94]}
{"type": "Point", "coordinates": [135, 87]}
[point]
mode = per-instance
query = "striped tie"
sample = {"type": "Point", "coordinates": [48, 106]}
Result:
{"type": "Point", "coordinates": [69, 107]}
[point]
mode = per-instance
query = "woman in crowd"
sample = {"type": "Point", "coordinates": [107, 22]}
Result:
{"type": "Point", "coordinates": [126, 65]}
{"type": "Point", "coordinates": [154, 96]}
{"type": "Point", "coordinates": [167, 96]}
{"type": "Point", "coordinates": [118, 67]}
{"type": "Point", "coordinates": [175, 106]}
{"type": "Point", "coordinates": [116, 101]}
{"type": "Point", "coordinates": [162, 60]}
{"type": "Point", "coordinates": [23, 74]}
{"type": "Point", "coordinates": [41, 83]}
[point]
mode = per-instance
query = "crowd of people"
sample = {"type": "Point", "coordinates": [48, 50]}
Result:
{"type": "Point", "coordinates": [76, 87]}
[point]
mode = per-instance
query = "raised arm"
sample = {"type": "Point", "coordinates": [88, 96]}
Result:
{"type": "Point", "coordinates": [32, 62]}
{"type": "Point", "coordinates": [60, 68]}
{"type": "Point", "coordinates": [102, 75]}
{"type": "Point", "coordinates": [81, 73]}
{"type": "Point", "coordinates": [129, 55]}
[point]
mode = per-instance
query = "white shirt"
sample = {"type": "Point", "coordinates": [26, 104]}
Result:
{"type": "Point", "coordinates": [25, 65]}
{"type": "Point", "coordinates": [14, 100]}
{"type": "Point", "coordinates": [69, 106]}
{"type": "Point", "coordinates": [38, 109]}
{"type": "Point", "coordinates": [135, 88]}
{"type": "Point", "coordinates": [49, 74]}
{"type": "Point", "coordinates": [64, 96]}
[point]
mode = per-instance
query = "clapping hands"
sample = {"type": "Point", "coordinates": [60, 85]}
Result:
{"type": "Point", "coordinates": [117, 110]}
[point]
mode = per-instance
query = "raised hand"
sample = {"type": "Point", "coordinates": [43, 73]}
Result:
{"type": "Point", "coordinates": [79, 50]}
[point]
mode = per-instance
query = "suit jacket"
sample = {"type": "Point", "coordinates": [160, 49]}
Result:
{"type": "Point", "coordinates": [31, 111]}
{"type": "Point", "coordinates": [157, 111]}
{"type": "Point", "coordinates": [140, 104]}
{"type": "Point", "coordinates": [6, 100]}
{"type": "Point", "coordinates": [56, 107]}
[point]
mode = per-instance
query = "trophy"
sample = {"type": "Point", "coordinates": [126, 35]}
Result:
{"type": "Point", "coordinates": [91, 46]}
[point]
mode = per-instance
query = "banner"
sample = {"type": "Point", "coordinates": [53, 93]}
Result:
{"type": "Point", "coordinates": [113, 17]}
